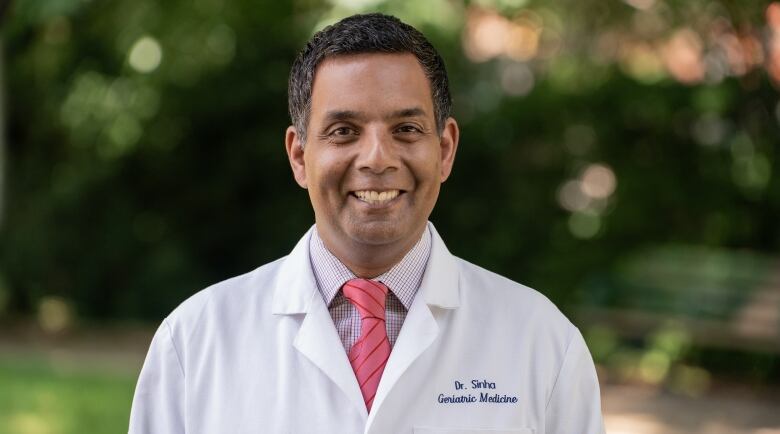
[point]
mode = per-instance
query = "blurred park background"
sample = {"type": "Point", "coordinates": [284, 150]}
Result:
{"type": "Point", "coordinates": [623, 157]}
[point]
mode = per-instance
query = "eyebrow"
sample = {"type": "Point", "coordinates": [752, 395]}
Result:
{"type": "Point", "coordinates": [345, 115]}
{"type": "Point", "coordinates": [407, 113]}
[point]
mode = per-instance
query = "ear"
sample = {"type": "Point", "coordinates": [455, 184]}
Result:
{"type": "Point", "coordinates": [292, 143]}
{"type": "Point", "coordinates": [449, 145]}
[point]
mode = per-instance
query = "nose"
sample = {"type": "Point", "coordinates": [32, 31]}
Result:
{"type": "Point", "coordinates": [377, 153]}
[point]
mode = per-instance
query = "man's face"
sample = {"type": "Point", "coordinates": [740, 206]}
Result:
{"type": "Point", "coordinates": [373, 160]}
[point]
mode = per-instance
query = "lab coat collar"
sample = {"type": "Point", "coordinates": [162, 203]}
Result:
{"type": "Point", "coordinates": [439, 286]}
{"type": "Point", "coordinates": [296, 286]}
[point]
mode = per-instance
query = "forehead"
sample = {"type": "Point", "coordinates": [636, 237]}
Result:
{"type": "Point", "coordinates": [371, 83]}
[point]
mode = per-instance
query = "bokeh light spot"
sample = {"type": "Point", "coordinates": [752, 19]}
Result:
{"type": "Point", "coordinates": [773, 15]}
{"type": "Point", "coordinates": [709, 129]}
{"type": "Point", "coordinates": [642, 62]}
{"type": "Point", "coordinates": [598, 181]}
{"type": "Point", "coordinates": [683, 58]}
{"type": "Point", "coordinates": [488, 35]}
{"type": "Point", "coordinates": [145, 55]}
{"type": "Point", "coordinates": [124, 132]}
{"type": "Point", "coordinates": [523, 37]}
{"type": "Point", "coordinates": [753, 172]}
{"type": "Point", "coordinates": [742, 147]}
{"type": "Point", "coordinates": [571, 197]}
{"type": "Point", "coordinates": [221, 41]}
{"type": "Point", "coordinates": [54, 314]}
{"type": "Point", "coordinates": [485, 35]}
{"type": "Point", "coordinates": [584, 225]}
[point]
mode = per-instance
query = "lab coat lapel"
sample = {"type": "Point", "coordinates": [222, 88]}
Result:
{"type": "Point", "coordinates": [317, 339]}
{"type": "Point", "coordinates": [438, 290]}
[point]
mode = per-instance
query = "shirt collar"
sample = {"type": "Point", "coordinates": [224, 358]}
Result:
{"type": "Point", "coordinates": [403, 278]}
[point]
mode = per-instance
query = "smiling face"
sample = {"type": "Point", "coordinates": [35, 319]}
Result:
{"type": "Point", "coordinates": [373, 159]}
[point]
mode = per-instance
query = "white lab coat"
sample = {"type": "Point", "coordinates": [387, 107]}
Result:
{"type": "Point", "coordinates": [259, 353]}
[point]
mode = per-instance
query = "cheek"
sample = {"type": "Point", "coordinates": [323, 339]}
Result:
{"type": "Point", "coordinates": [426, 170]}
{"type": "Point", "coordinates": [326, 174]}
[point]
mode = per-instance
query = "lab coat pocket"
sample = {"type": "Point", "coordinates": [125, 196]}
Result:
{"type": "Point", "coordinates": [426, 430]}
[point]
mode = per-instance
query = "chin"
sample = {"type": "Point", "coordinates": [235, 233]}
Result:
{"type": "Point", "coordinates": [377, 232]}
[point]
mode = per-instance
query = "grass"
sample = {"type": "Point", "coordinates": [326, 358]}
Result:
{"type": "Point", "coordinates": [39, 397]}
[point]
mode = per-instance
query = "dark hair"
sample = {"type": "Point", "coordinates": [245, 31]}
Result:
{"type": "Point", "coordinates": [367, 33]}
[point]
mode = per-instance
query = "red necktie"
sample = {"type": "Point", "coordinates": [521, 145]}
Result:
{"type": "Point", "coordinates": [368, 356]}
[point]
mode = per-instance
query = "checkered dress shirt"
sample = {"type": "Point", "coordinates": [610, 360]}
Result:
{"type": "Point", "coordinates": [403, 279]}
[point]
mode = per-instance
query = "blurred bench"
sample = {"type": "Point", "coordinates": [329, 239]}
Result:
{"type": "Point", "coordinates": [724, 299]}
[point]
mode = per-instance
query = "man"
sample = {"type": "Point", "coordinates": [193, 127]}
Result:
{"type": "Point", "coordinates": [369, 324]}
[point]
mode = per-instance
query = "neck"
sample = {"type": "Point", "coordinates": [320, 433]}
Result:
{"type": "Point", "coordinates": [368, 261]}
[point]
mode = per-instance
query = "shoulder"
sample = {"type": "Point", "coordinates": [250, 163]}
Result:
{"type": "Point", "coordinates": [225, 299]}
{"type": "Point", "coordinates": [487, 291]}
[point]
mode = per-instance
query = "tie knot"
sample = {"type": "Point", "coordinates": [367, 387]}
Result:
{"type": "Point", "coordinates": [367, 296]}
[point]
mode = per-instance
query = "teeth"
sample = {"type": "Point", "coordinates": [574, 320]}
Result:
{"type": "Point", "coordinates": [376, 197]}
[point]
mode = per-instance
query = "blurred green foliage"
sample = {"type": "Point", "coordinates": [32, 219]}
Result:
{"type": "Point", "coordinates": [145, 146]}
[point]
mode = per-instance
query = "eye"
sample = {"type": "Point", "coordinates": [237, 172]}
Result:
{"type": "Point", "coordinates": [408, 129]}
{"type": "Point", "coordinates": [342, 132]}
